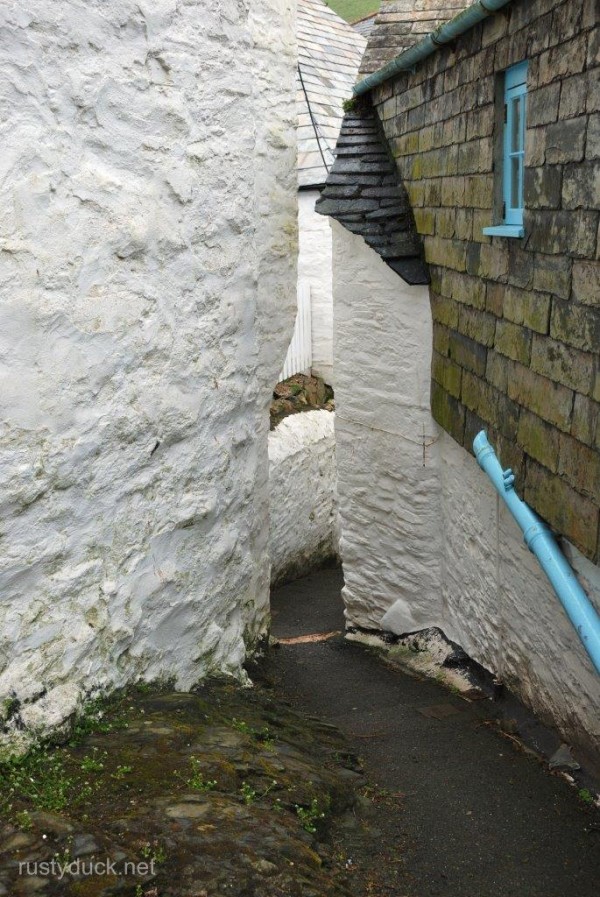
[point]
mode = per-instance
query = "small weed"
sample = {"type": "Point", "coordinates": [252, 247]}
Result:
{"type": "Point", "coordinates": [64, 858]}
{"type": "Point", "coordinates": [9, 708]}
{"type": "Point", "coordinates": [121, 772]}
{"type": "Point", "coordinates": [94, 763]}
{"type": "Point", "coordinates": [197, 780]}
{"type": "Point", "coordinates": [309, 816]}
{"type": "Point", "coordinates": [92, 720]}
{"type": "Point", "coordinates": [139, 892]}
{"type": "Point", "coordinates": [241, 726]}
{"type": "Point", "coordinates": [585, 795]}
{"type": "Point", "coordinates": [23, 820]}
{"type": "Point", "coordinates": [156, 853]}
{"type": "Point", "coordinates": [264, 735]}
{"type": "Point", "coordinates": [249, 794]}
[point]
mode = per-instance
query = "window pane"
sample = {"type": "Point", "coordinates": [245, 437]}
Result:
{"type": "Point", "coordinates": [517, 117]}
{"type": "Point", "coordinates": [515, 182]}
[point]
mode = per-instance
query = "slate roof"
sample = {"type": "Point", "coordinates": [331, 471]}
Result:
{"type": "Point", "coordinates": [329, 54]}
{"type": "Point", "coordinates": [364, 190]}
{"type": "Point", "coordinates": [365, 26]}
{"type": "Point", "coordinates": [401, 23]}
{"type": "Point", "coordinates": [365, 194]}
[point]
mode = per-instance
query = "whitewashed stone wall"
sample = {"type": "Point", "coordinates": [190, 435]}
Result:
{"type": "Point", "coordinates": [422, 529]}
{"type": "Point", "coordinates": [147, 266]}
{"type": "Point", "coordinates": [303, 495]}
{"type": "Point", "coordinates": [314, 266]}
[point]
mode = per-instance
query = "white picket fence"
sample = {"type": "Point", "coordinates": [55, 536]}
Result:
{"type": "Point", "coordinates": [299, 355]}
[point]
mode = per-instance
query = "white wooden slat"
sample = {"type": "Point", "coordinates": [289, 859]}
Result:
{"type": "Point", "coordinates": [299, 356]}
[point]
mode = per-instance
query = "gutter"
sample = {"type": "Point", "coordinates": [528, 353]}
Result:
{"type": "Point", "coordinates": [445, 34]}
{"type": "Point", "coordinates": [542, 543]}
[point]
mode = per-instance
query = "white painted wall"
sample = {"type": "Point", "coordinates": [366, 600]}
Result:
{"type": "Point", "coordinates": [420, 522]}
{"type": "Point", "coordinates": [314, 267]}
{"type": "Point", "coordinates": [389, 500]}
{"type": "Point", "coordinates": [148, 237]}
{"type": "Point", "coordinates": [303, 496]}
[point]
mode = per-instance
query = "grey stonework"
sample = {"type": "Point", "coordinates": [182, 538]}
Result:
{"type": "Point", "coordinates": [516, 322]}
{"type": "Point", "coordinates": [374, 203]}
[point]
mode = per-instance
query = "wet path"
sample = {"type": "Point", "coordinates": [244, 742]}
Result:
{"type": "Point", "coordinates": [472, 816]}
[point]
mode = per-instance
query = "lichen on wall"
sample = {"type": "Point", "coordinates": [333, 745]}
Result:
{"type": "Point", "coordinates": [148, 244]}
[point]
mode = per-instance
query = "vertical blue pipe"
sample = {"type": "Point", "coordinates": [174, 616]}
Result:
{"type": "Point", "coordinates": [542, 543]}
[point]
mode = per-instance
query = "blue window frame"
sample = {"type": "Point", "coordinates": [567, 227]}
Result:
{"type": "Point", "coordinates": [513, 153]}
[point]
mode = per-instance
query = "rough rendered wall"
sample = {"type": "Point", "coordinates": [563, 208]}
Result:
{"type": "Point", "coordinates": [422, 525]}
{"type": "Point", "coordinates": [314, 266]}
{"type": "Point", "coordinates": [388, 484]}
{"type": "Point", "coordinates": [303, 499]}
{"type": "Point", "coordinates": [148, 287]}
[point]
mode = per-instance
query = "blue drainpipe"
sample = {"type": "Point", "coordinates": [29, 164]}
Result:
{"type": "Point", "coordinates": [445, 34]}
{"type": "Point", "coordinates": [542, 543]}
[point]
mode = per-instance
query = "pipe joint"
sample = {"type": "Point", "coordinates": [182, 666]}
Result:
{"type": "Point", "coordinates": [534, 532]}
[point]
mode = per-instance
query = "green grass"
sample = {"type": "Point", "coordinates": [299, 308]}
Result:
{"type": "Point", "coordinates": [352, 10]}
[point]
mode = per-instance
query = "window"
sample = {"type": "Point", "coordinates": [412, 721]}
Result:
{"type": "Point", "coordinates": [512, 152]}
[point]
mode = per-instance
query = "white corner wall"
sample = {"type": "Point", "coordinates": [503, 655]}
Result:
{"type": "Point", "coordinates": [148, 293]}
{"type": "Point", "coordinates": [388, 475]}
{"type": "Point", "coordinates": [314, 268]}
{"type": "Point", "coordinates": [303, 495]}
{"type": "Point", "coordinates": [422, 528]}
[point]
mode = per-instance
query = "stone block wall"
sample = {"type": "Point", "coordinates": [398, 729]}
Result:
{"type": "Point", "coordinates": [516, 322]}
{"type": "Point", "coordinates": [148, 237]}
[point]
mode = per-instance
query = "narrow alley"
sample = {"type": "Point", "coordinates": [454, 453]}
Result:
{"type": "Point", "coordinates": [473, 815]}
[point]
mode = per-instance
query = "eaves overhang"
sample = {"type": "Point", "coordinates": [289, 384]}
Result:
{"type": "Point", "coordinates": [444, 34]}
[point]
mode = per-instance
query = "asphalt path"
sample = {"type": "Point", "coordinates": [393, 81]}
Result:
{"type": "Point", "coordinates": [470, 815]}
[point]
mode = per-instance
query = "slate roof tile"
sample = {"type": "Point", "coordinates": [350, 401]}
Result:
{"type": "Point", "coordinates": [329, 54]}
{"type": "Point", "coordinates": [365, 194]}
